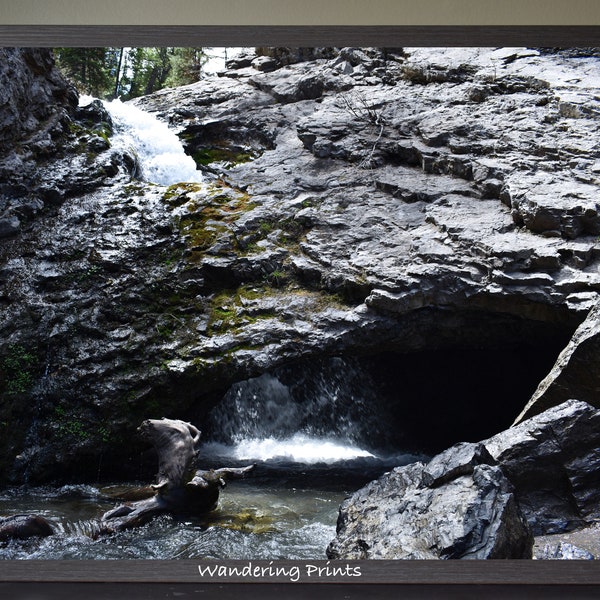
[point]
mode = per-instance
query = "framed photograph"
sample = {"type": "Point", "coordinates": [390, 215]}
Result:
{"type": "Point", "coordinates": [294, 310]}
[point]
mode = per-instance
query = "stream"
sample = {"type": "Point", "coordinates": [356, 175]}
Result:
{"type": "Point", "coordinates": [308, 433]}
{"type": "Point", "coordinates": [284, 511]}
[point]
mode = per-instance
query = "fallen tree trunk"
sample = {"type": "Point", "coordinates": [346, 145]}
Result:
{"type": "Point", "coordinates": [22, 527]}
{"type": "Point", "coordinates": [180, 487]}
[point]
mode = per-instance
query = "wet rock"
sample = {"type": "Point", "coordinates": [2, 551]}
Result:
{"type": "Point", "coordinates": [548, 465]}
{"type": "Point", "coordinates": [289, 56]}
{"type": "Point", "coordinates": [291, 87]}
{"type": "Point", "coordinates": [21, 527]}
{"type": "Point", "coordinates": [34, 96]}
{"type": "Point", "coordinates": [455, 462]}
{"type": "Point", "coordinates": [552, 461]}
{"type": "Point", "coordinates": [265, 64]}
{"type": "Point", "coordinates": [564, 551]}
{"type": "Point", "coordinates": [573, 374]}
{"type": "Point", "coordinates": [9, 226]}
{"type": "Point", "coordinates": [550, 208]}
{"type": "Point", "coordinates": [455, 507]}
{"type": "Point", "coordinates": [240, 61]}
{"type": "Point", "coordinates": [347, 207]}
{"type": "Point", "coordinates": [48, 144]}
{"type": "Point", "coordinates": [583, 543]}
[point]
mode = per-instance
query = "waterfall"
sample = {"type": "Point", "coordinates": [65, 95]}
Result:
{"type": "Point", "coordinates": [158, 150]}
{"type": "Point", "coordinates": [324, 413]}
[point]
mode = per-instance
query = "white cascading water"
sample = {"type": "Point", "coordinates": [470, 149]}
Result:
{"type": "Point", "coordinates": [325, 419]}
{"type": "Point", "coordinates": [158, 150]}
{"type": "Point", "coordinates": [299, 448]}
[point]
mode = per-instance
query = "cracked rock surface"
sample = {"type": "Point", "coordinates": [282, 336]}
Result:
{"type": "Point", "coordinates": [354, 199]}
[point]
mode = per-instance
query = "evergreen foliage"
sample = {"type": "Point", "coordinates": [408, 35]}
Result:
{"type": "Point", "coordinates": [129, 72]}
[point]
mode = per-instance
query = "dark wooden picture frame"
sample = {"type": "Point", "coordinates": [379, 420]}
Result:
{"type": "Point", "coordinates": [405, 579]}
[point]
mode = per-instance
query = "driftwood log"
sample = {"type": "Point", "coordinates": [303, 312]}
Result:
{"type": "Point", "coordinates": [180, 487]}
{"type": "Point", "coordinates": [22, 527]}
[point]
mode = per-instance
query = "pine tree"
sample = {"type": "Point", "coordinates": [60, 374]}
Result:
{"type": "Point", "coordinates": [187, 64]}
{"type": "Point", "coordinates": [129, 72]}
{"type": "Point", "coordinates": [92, 70]}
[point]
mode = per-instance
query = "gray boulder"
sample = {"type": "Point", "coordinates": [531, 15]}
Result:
{"type": "Point", "coordinates": [553, 462]}
{"type": "Point", "coordinates": [457, 506]}
{"type": "Point", "coordinates": [482, 500]}
{"type": "Point", "coordinates": [564, 551]}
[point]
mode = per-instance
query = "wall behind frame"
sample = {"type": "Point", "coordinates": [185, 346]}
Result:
{"type": "Point", "coordinates": [305, 12]}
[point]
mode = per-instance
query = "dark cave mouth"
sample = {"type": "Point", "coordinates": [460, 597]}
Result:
{"type": "Point", "coordinates": [438, 398]}
{"type": "Point", "coordinates": [390, 400]}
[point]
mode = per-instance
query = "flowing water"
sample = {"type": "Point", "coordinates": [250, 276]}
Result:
{"type": "Point", "coordinates": [311, 434]}
{"type": "Point", "coordinates": [252, 521]}
{"type": "Point", "coordinates": [316, 433]}
{"type": "Point", "coordinates": [159, 153]}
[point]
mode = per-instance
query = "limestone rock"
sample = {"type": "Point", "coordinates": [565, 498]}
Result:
{"type": "Point", "coordinates": [34, 97]}
{"type": "Point", "coordinates": [575, 373]}
{"type": "Point", "coordinates": [544, 473]}
{"type": "Point", "coordinates": [355, 200]}
{"type": "Point", "coordinates": [468, 512]}
{"type": "Point", "coordinates": [459, 460]}
{"type": "Point", "coordinates": [564, 551]}
{"type": "Point", "coordinates": [9, 226]}
{"type": "Point", "coordinates": [553, 463]}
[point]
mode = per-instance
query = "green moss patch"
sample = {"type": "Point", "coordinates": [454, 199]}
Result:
{"type": "Point", "coordinates": [69, 425]}
{"type": "Point", "coordinates": [229, 157]}
{"type": "Point", "coordinates": [206, 213]}
{"type": "Point", "coordinates": [178, 193]}
{"type": "Point", "coordinates": [233, 309]}
{"type": "Point", "coordinates": [18, 369]}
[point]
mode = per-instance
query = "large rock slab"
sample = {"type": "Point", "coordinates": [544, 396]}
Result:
{"type": "Point", "coordinates": [455, 507]}
{"type": "Point", "coordinates": [553, 462]}
{"type": "Point", "coordinates": [482, 500]}
{"type": "Point", "coordinates": [576, 373]}
{"type": "Point", "coordinates": [34, 98]}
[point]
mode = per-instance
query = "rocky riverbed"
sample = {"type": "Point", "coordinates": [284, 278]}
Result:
{"type": "Point", "coordinates": [429, 213]}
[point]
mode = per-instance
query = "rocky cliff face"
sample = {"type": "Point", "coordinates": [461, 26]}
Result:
{"type": "Point", "coordinates": [355, 201]}
{"type": "Point", "coordinates": [48, 146]}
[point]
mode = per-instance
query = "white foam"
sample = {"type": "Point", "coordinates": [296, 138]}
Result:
{"type": "Point", "coordinates": [299, 448]}
{"type": "Point", "coordinates": [160, 154]}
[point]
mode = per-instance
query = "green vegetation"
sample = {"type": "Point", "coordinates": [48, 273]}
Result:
{"type": "Point", "coordinates": [178, 193]}
{"type": "Point", "coordinates": [90, 273]}
{"type": "Point", "coordinates": [105, 434]}
{"type": "Point", "coordinates": [276, 278]}
{"type": "Point", "coordinates": [69, 426]}
{"type": "Point", "coordinates": [134, 189]}
{"type": "Point", "coordinates": [229, 309]}
{"type": "Point", "coordinates": [207, 217]}
{"type": "Point", "coordinates": [130, 72]}
{"type": "Point", "coordinates": [206, 156]}
{"type": "Point", "coordinates": [17, 369]}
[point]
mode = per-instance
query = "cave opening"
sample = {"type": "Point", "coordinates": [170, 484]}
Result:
{"type": "Point", "coordinates": [441, 397]}
{"type": "Point", "coordinates": [389, 398]}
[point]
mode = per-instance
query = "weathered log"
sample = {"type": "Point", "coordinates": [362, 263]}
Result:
{"type": "Point", "coordinates": [180, 487]}
{"type": "Point", "coordinates": [176, 444]}
{"type": "Point", "coordinates": [22, 527]}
